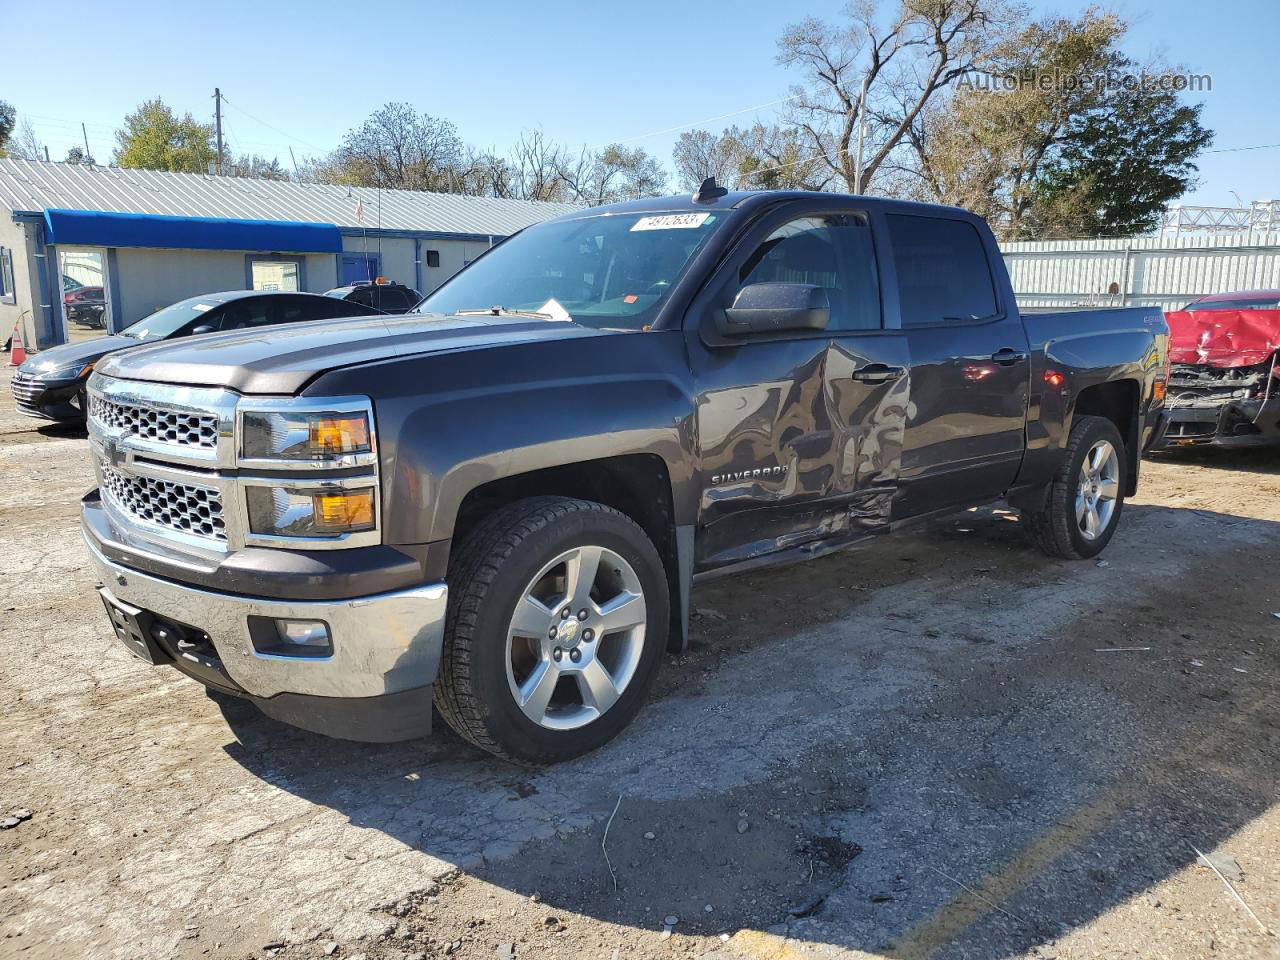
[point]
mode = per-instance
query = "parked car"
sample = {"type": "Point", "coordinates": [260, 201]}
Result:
{"type": "Point", "coordinates": [85, 305]}
{"type": "Point", "coordinates": [382, 296]}
{"type": "Point", "coordinates": [1224, 386]}
{"type": "Point", "coordinates": [500, 501]}
{"type": "Point", "coordinates": [51, 384]}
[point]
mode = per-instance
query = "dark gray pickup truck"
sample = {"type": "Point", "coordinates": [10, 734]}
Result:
{"type": "Point", "coordinates": [499, 503]}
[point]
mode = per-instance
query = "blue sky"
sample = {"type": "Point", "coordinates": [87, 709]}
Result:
{"type": "Point", "coordinates": [589, 73]}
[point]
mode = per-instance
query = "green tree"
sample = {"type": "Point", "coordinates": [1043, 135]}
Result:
{"type": "Point", "coordinates": [1043, 149]}
{"type": "Point", "coordinates": [77, 155]}
{"type": "Point", "coordinates": [1120, 166]}
{"type": "Point", "coordinates": [8, 119]}
{"type": "Point", "coordinates": [155, 138]}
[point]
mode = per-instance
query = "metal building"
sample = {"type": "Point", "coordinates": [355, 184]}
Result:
{"type": "Point", "coordinates": [85, 249]}
{"type": "Point", "coordinates": [1163, 271]}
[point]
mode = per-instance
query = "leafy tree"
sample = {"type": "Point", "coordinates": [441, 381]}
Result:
{"type": "Point", "coordinates": [8, 119]}
{"type": "Point", "coordinates": [77, 155]}
{"type": "Point", "coordinates": [1065, 157]}
{"type": "Point", "coordinates": [155, 138]}
{"type": "Point", "coordinates": [1120, 166]}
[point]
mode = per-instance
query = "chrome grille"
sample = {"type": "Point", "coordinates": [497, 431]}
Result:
{"type": "Point", "coordinates": [157, 424]}
{"type": "Point", "coordinates": [25, 389]}
{"type": "Point", "coordinates": [183, 507]}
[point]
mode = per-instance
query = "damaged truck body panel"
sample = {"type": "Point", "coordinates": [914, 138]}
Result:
{"type": "Point", "coordinates": [1224, 382]}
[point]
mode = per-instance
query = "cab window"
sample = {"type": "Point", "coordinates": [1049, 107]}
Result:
{"type": "Point", "coordinates": [833, 252]}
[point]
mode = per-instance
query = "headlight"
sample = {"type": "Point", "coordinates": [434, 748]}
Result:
{"type": "Point", "coordinates": [304, 435]}
{"type": "Point", "coordinates": [325, 511]}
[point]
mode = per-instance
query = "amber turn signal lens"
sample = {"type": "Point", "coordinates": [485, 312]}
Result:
{"type": "Point", "coordinates": [1159, 391]}
{"type": "Point", "coordinates": [338, 435]}
{"type": "Point", "coordinates": [343, 512]}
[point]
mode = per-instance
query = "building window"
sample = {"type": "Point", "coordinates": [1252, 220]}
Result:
{"type": "Point", "coordinates": [433, 258]}
{"type": "Point", "coordinates": [275, 273]}
{"type": "Point", "coordinates": [7, 293]}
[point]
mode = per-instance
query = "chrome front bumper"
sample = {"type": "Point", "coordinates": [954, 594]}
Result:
{"type": "Point", "coordinates": [382, 644]}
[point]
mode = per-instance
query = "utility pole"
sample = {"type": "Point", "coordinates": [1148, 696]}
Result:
{"type": "Point", "coordinates": [858, 185]}
{"type": "Point", "coordinates": [87, 154]}
{"type": "Point", "coordinates": [217, 121]}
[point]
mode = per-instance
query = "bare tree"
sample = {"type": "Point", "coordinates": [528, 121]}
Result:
{"type": "Point", "coordinates": [26, 145]}
{"type": "Point", "coordinates": [699, 154]}
{"type": "Point", "coordinates": [400, 148]}
{"type": "Point", "coordinates": [612, 174]}
{"type": "Point", "coordinates": [883, 73]}
{"type": "Point", "coordinates": [537, 165]}
{"type": "Point", "coordinates": [757, 158]}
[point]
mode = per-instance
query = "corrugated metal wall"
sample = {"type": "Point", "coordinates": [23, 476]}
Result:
{"type": "Point", "coordinates": [1162, 272]}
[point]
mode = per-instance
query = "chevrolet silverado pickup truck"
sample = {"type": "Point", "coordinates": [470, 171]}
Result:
{"type": "Point", "coordinates": [498, 504]}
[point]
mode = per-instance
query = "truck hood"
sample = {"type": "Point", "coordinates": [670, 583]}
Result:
{"type": "Point", "coordinates": [1223, 338]}
{"type": "Point", "coordinates": [283, 359]}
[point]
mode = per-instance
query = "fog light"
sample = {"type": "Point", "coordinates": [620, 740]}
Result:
{"type": "Point", "coordinates": [303, 633]}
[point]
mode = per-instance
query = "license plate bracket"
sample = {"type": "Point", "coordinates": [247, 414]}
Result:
{"type": "Point", "coordinates": [132, 626]}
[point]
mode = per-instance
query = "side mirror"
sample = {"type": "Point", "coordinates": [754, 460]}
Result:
{"type": "Point", "coordinates": [204, 328]}
{"type": "Point", "coordinates": [767, 307]}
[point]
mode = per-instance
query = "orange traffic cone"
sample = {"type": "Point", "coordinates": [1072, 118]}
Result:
{"type": "Point", "coordinates": [17, 352]}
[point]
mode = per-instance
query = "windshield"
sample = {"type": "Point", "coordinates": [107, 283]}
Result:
{"type": "Point", "coordinates": [604, 271]}
{"type": "Point", "coordinates": [170, 320]}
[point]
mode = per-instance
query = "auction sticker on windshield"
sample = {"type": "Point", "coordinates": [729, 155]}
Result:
{"type": "Point", "coordinates": [671, 221]}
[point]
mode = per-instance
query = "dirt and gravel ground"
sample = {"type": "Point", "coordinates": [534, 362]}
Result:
{"type": "Point", "coordinates": [945, 746]}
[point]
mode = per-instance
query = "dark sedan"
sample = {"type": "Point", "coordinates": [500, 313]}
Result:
{"type": "Point", "coordinates": [51, 384]}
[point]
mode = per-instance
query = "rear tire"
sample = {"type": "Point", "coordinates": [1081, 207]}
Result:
{"type": "Point", "coordinates": [540, 692]}
{"type": "Point", "coordinates": [1086, 497]}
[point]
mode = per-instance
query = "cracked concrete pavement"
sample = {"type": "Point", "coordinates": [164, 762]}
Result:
{"type": "Point", "coordinates": [929, 753]}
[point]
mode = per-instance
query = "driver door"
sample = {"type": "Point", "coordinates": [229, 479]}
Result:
{"type": "Point", "coordinates": [800, 431]}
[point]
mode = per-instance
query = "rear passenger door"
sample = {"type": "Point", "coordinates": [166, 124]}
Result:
{"type": "Point", "coordinates": [965, 434]}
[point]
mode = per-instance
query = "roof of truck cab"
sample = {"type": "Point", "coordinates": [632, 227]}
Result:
{"type": "Point", "coordinates": [737, 199]}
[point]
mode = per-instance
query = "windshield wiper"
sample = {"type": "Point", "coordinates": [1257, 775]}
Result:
{"type": "Point", "coordinates": [499, 311]}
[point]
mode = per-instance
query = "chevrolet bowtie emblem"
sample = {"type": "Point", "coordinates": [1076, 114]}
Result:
{"type": "Point", "coordinates": [116, 456]}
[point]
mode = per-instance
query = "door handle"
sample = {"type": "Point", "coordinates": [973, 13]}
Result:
{"type": "Point", "coordinates": [1008, 357]}
{"type": "Point", "coordinates": [877, 373]}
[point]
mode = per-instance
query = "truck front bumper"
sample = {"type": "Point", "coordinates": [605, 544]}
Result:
{"type": "Point", "coordinates": [373, 683]}
{"type": "Point", "coordinates": [1241, 423]}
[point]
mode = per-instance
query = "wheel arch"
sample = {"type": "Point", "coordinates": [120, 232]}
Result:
{"type": "Point", "coordinates": [638, 485]}
{"type": "Point", "coordinates": [1118, 401]}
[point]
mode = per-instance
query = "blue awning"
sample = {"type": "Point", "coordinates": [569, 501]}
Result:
{"type": "Point", "coordinates": [189, 233]}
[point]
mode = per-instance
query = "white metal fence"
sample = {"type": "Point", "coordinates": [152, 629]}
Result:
{"type": "Point", "coordinates": [1162, 272]}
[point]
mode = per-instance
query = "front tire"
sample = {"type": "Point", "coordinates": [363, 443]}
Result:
{"type": "Point", "coordinates": [558, 616]}
{"type": "Point", "coordinates": [1084, 501]}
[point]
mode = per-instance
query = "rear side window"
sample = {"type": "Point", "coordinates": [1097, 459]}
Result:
{"type": "Point", "coordinates": [832, 252]}
{"type": "Point", "coordinates": [943, 273]}
{"type": "Point", "coordinates": [394, 298]}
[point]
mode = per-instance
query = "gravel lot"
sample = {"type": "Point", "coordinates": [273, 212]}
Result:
{"type": "Point", "coordinates": [929, 748]}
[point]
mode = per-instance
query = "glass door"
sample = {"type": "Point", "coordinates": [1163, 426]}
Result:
{"type": "Point", "coordinates": [86, 310]}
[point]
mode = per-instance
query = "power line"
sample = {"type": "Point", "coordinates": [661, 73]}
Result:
{"type": "Point", "coordinates": [698, 123]}
{"type": "Point", "coordinates": [1261, 146]}
{"type": "Point", "coordinates": [287, 136]}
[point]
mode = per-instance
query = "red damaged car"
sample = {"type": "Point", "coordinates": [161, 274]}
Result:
{"type": "Point", "coordinates": [1224, 385]}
